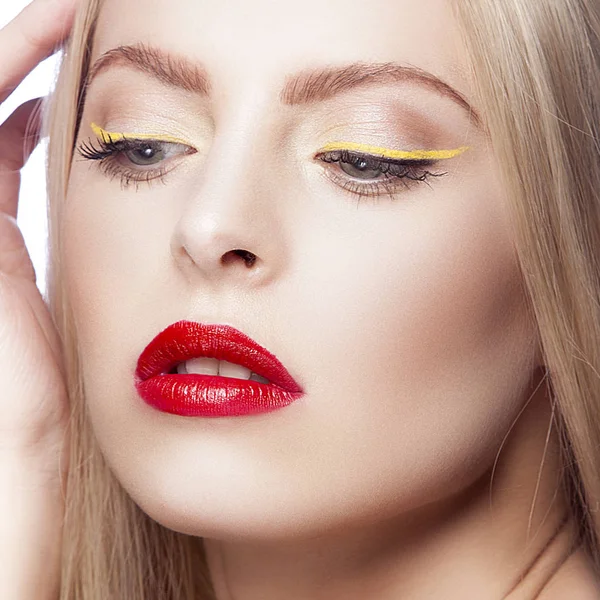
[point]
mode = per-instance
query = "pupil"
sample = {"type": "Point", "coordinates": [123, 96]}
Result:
{"type": "Point", "coordinates": [147, 152]}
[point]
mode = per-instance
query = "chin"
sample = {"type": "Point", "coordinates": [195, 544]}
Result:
{"type": "Point", "coordinates": [242, 522]}
{"type": "Point", "coordinates": [244, 509]}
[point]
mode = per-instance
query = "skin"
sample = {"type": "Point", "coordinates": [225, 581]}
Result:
{"type": "Point", "coordinates": [34, 410]}
{"type": "Point", "coordinates": [402, 318]}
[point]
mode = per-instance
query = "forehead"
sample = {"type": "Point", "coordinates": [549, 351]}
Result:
{"type": "Point", "coordinates": [261, 41]}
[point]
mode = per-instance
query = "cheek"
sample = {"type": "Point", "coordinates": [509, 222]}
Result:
{"type": "Point", "coordinates": [421, 350]}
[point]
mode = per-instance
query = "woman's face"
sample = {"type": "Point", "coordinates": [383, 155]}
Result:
{"type": "Point", "coordinates": [395, 303]}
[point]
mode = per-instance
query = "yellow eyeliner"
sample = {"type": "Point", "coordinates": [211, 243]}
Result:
{"type": "Point", "coordinates": [378, 150]}
{"type": "Point", "coordinates": [102, 133]}
{"type": "Point", "coordinates": [386, 153]}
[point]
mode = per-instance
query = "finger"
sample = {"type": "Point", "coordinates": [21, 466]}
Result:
{"type": "Point", "coordinates": [34, 34]}
{"type": "Point", "coordinates": [15, 260]}
{"type": "Point", "coordinates": [19, 135]}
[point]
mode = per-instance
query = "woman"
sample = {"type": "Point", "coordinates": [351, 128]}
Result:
{"type": "Point", "coordinates": [323, 308]}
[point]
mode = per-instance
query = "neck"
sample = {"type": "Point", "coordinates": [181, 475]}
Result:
{"type": "Point", "coordinates": [503, 537]}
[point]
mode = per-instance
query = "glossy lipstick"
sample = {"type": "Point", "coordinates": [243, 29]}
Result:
{"type": "Point", "coordinates": [193, 395]}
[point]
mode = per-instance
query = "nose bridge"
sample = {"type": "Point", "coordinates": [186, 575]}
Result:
{"type": "Point", "coordinates": [231, 223]}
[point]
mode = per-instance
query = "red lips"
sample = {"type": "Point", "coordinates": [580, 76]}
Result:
{"type": "Point", "coordinates": [211, 395]}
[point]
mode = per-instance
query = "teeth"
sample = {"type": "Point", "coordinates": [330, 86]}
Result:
{"type": "Point", "coordinates": [212, 366]}
{"type": "Point", "coordinates": [201, 366]}
{"type": "Point", "coordinates": [227, 369]}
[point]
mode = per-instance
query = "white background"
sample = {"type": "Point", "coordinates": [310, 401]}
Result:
{"type": "Point", "coordinates": [32, 199]}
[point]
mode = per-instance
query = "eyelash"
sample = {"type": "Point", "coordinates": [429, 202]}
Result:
{"type": "Point", "coordinates": [397, 172]}
{"type": "Point", "coordinates": [110, 150]}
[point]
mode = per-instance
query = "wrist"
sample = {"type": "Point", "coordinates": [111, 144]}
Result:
{"type": "Point", "coordinates": [31, 518]}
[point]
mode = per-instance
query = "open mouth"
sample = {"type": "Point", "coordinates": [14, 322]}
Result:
{"type": "Point", "coordinates": [215, 368]}
{"type": "Point", "coordinates": [184, 371]}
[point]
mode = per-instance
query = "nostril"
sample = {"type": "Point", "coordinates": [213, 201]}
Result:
{"type": "Point", "coordinates": [249, 257]}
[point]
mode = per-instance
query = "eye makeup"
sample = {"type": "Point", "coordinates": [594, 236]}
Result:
{"type": "Point", "coordinates": [109, 135]}
{"type": "Point", "coordinates": [367, 170]}
{"type": "Point", "coordinates": [360, 169]}
{"type": "Point", "coordinates": [394, 154]}
{"type": "Point", "coordinates": [134, 158]}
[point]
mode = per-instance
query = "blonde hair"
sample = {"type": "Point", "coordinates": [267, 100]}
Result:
{"type": "Point", "coordinates": [537, 68]}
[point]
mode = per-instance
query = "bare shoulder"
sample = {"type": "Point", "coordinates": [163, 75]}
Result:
{"type": "Point", "coordinates": [575, 580]}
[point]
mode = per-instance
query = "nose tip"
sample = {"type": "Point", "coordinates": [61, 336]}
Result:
{"type": "Point", "coordinates": [229, 231]}
{"type": "Point", "coordinates": [212, 260]}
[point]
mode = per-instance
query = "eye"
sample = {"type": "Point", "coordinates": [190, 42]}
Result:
{"type": "Point", "coordinates": [370, 175]}
{"type": "Point", "coordinates": [126, 158]}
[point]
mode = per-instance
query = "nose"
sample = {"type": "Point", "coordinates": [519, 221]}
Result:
{"type": "Point", "coordinates": [231, 229]}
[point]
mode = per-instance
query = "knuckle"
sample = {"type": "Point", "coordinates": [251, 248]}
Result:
{"type": "Point", "coordinates": [32, 34]}
{"type": "Point", "coordinates": [9, 165]}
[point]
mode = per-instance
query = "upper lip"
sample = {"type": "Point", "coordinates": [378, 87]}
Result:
{"type": "Point", "coordinates": [185, 340]}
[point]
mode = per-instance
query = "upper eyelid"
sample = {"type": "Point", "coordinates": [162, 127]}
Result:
{"type": "Point", "coordinates": [114, 136]}
{"type": "Point", "coordinates": [381, 152]}
{"type": "Point", "coordinates": [375, 151]}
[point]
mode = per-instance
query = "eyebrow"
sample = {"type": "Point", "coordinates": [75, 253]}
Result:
{"type": "Point", "coordinates": [306, 87]}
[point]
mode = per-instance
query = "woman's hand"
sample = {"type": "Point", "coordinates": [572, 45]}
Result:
{"type": "Point", "coordinates": [34, 437]}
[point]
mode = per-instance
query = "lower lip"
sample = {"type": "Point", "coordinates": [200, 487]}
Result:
{"type": "Point", "coordinates": [192, 395]}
